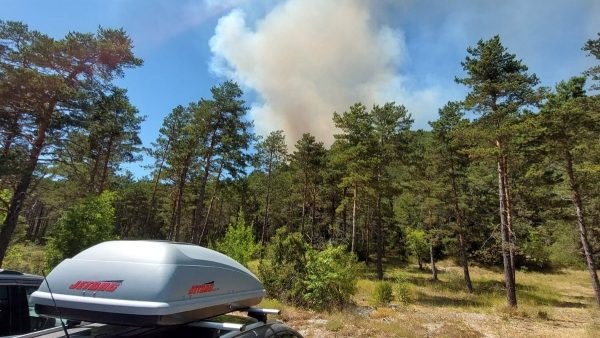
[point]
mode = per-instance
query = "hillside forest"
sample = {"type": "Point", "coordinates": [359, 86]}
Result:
{"type": "Point", "coordinates": [508, 177]}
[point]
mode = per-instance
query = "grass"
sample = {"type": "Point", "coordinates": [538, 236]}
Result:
{"type": "Point", "coordinates": [550, 304]}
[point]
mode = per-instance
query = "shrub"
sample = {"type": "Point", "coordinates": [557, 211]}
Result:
{"type": "Point", "coordinates": [403, 290]}
{"type": "Point", "coordinates": [293, 272]}
{"type": "Point", "coordinates": [238, 242]}
{"type": "Point", "coordinates": [331, 278]}
{"type": "Point", "coordinates": [86, 223]}
{"type": "Point", "coordinates": [382, 294]}
{"type": "Point", "coordinates": [25, 257]}
{"type": "Point", "coordinates": [416, 241]}
{"type": "Point", "coordinates": [283, 268]}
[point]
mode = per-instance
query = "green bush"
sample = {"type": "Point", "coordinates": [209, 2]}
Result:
{"type": "Point", "coordinates": [25, 257]}
{"type": "Point", "coordinates": [86, 223]}
{"type": "Point", "coordinates": [535, 249]}
{"type": "Point", "coordinates": [416, 241]}
{"type": "Point", "coordinates": [238, 242]}
{"type": "Point", "coordinates": [403, 290]}
{"type": "Point", "coordinates": [283, 268]}
{"type": "Point", "coordinates": [293, 272]}
{"type": "Point", "coordinates": [382, 294]}
{"type": "Point", "coordinates": [331, 279]}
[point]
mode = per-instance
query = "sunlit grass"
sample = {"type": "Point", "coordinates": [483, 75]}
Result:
{"type": "Point", "coordinates": [553, 304]}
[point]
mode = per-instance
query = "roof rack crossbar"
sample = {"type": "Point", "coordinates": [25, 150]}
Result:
{"type": "Point", "coordinates": [261, 314]}
{"type": "Point", "coordinates": [218, 325]}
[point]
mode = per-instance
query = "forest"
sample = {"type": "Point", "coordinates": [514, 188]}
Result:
{"type": "Point", "coordinates": [507, 178]}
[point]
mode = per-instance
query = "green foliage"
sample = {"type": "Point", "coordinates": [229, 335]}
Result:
{"type": "Point", "coordinates": [294, 272]}
{"type": "Point", "coordinates": [25, 257]}
{"type": "Point", "coordinates": [416, 241]}
{"type": "Point", "coordinates": [5, 195]}
{"type": "Point", "coordinates": [535, 249]}
{"type": "Point", "coordinates": [383, 294]}
{"type": "Point", "coordinates": [238, 242]}
{"type": "Point", "coordinates": [283, 269]}
{"type": "Point", "coordinates": [331, 278]}
{"type": "Point", "coordinates": [565, 250]}
{"type": "Point", "coordinates": [403, 291]}
{"type": "Point", "coordinates": [88, 222]}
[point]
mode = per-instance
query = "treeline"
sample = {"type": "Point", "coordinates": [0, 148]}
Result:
{"type": "Point", "coordinates": [510, 176]}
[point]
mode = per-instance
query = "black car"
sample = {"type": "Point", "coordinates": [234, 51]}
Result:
{"type": "Point", "coordinates": [17, 316]}
{"type": "Point", "coordinates": [225, 326]}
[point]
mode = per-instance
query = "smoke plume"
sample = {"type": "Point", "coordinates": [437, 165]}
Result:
{"type": "Point", "coordinates": [306, 59]}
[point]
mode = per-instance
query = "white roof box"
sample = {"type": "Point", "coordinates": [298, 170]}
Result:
{"type": "Point", "coordinates": [146, 283]}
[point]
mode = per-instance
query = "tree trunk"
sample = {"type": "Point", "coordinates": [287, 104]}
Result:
{"type": "Point", "coordinates": [304, 203]}
{"type": "Point", "coordinates": [368, 237]}
{"type": "Point", "coordinates": [511, 295]}
{"type": "Point", "coordinates": [434, 276]}
{"type": "Point", "coordinates": [379, 235]}
{"type": "Point", "coordinates": [345, 214]}
{"type": "Point", "coordinates": [420, 262]}
{"type": "Point", "coordinates": [508, 205]}
{"type": "Point", "coordinates": [212, 200]}
{"type": "Point", "coordinates": [332, 231]}
{"type": "Point", "coordinates": [313, 215]}
{"type": "Point", "coordinates": [198, 211]}
{"type": "Point", "coordinates": [461, 233]}
{"type": "Point", "coordinates": [200, 201]}
{"type": "Point", "coordinates": [105, 167]}
{"type": "Point", "coordinates": [576, 197]}
{"type": "Point", "coordinates": [176, 222]}
{"type": "Point", "coordinates": [352, 248]}
{"type": "Point", "coordinates": [155, 186]}
{"type": "Point", "coordinates": [20, 192]}
{"type": "Point", "coordinates": [94, 171]}
{"type": "Point", "coordinates": [267, 200]}
{"type": "Point", "coordinates": [464, 262]}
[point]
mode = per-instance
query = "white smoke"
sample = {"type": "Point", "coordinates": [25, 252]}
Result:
{"type": "Point", "coordinates": [308, 58]}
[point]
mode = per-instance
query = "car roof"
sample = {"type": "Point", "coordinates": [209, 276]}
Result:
{"type": "Point", "coordinates": [10, 277]}
{"type": "Point", "coordinates": [90, 330]}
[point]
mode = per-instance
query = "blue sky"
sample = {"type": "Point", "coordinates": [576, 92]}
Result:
{"type": "Point", "coordinates": [300, 60]}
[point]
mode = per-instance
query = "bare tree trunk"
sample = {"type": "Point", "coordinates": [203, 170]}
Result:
{"type": "Point", "coordinates": [304, 203]}
{"type": "Point", "coordinates": [155, 186]}
{"type": "Point", "coordinates": [212, 200]}
{"type": "Point", "coordinates": [511, 295]}
{"type": "Point", "coordinates": [576, 197]}
{"type": "Point", "coordinates": [508, 205]}
{"type": "Point", "coordinates": [368, 236]}
{"type": "Point", "coordinates": [267, 200]}
{"type": "Point", "coordinates": [379, 238]}
{"type": "Point", "coordinates": [431, 240]}
{"type": "Point", "coordinates": [352, 248]}
{"type": "Point", "coordinates": [345, 214]}
{"type": "Point", "coordinates": [105, 167]}
{"type": "Point", "coordinates": [200, 201]}
{"type": "Point", "coordinates": [464, 262]}
{"type": "Point", "coordinates": [461, 234]}
{"type": "Point", "coordinates": [198, 211]}
{"type": "Point", "coordinates": [32, 215]}
{"type": "Point", "coordinates": [20, 192]}
{"type": "Point", "coordinates": [434, 276]}
{"type": "Point", "coordinates": [94, 172]}
{"type": "Point", "coordinates": [313, 216]}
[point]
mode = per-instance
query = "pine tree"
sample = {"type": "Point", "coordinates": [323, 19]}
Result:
{"type": "Point", "coordinates": [500, 89]}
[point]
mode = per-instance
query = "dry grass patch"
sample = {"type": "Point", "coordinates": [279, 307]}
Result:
{"type": "Point", "coordinates": [556, 304]}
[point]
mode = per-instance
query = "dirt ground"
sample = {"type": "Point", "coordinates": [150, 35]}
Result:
{"type": "Point", "coordinates": [420, 321]}
{"type": "Point", "coordinates": [558, 304]}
